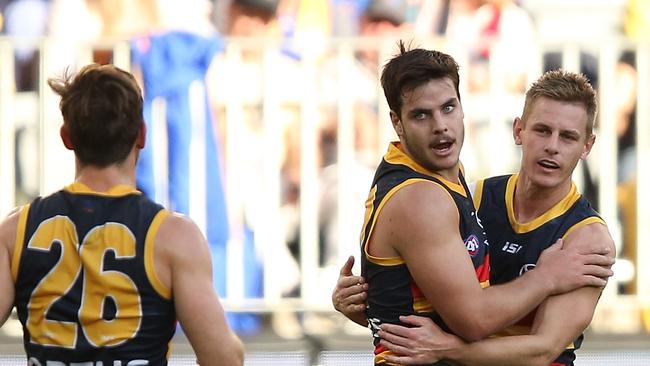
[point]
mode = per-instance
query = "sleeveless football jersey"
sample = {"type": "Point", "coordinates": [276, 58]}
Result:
{"type": "Point", "coordinates": [86, 289]}
{"type": "Point", "coordinates": [392, 291]}
{"type": "Point", "coordinates": [515, 247]}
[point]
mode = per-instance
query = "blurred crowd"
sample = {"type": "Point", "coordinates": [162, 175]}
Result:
{"type": "Point", "coordinates": [180, 52]}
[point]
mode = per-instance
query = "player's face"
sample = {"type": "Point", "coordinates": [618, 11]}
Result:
{"type": "Point", "coordinates": [431, 126]}
{"type": "Point", "coordinates": [553, 139]}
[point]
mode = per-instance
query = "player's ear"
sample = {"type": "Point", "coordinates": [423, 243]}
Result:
{"type": "Point", "coordinates": [397, 123]}
{"type": "Point", "coordinates": [591, 139]}
{"type": "Point", "coordinates": [65, 137]}
{"type": "Point", "coordinates": [517, 127]}
{"type": "Point", "coordinates": [142, 136]}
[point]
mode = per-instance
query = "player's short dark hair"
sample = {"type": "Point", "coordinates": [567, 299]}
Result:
{"type": "Point", "coordinates": [412, 68]}
{"type": "Point", "coordinates": [102, 110]}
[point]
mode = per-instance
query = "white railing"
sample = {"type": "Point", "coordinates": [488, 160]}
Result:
{"type": "Point", "coordinates": [255, 150]}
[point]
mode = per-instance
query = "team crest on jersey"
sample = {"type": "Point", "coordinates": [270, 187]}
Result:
{"type": "Point", "coordinates": [472, 244]}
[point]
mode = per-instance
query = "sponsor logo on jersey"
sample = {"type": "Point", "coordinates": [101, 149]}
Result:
{"type": "Point", "coordinates": [472, 244]}
{"type": "Point", "coordinates": [511, 248]}
{"type": "Point", "coordinates": [34, 362]}
{"type": "Point", "coordinates": [526, 267]}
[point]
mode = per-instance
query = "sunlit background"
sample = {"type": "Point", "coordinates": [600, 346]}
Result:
{"type": "Point", "coordinates": [300, 122]}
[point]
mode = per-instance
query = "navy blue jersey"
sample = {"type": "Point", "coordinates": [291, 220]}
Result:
{"type": "Point", "coordinates": [517, 246]}
{"type": "Point", "coordinates": [86, 288]}
{"type": "Point", "coordinates": [392, 290]}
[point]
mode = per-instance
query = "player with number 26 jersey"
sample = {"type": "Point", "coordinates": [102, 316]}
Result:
{"type": "Point", "coordinates": [86, 288]}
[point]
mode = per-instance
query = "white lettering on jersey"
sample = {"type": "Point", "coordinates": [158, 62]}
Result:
{"type": "Point", "coordinates": [374, 326]}
{"type": "Point", "coordinates": [512, 248]}
{"type": "Point", "coordinates": [34, 362]}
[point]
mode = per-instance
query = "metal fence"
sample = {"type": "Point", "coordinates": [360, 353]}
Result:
{"type": "Point", "coordinates": [298, 152]}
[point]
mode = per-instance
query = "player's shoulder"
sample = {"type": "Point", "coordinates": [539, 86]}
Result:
{"type": "Point", "coordinates": [589, 233]}
{"type": "Point", "coordinates": [178, 225]}
{"type": "Point", "coordinates": [9, 226]}
{"type": "Point", "coordinates": [422, 191]}
{"type": "Point", "coordinates": [13, 215]}
{"type": "Point", "coordinates": [12, 218]}
{"type": "Point", "coordinates": [176, 229]}
{"type": "Point", "coordinates": [422, 199]}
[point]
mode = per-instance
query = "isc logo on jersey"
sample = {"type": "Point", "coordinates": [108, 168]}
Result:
{"type": "Point", "coordinates": [472, 244]}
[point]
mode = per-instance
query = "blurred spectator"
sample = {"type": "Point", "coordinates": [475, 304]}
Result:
{"type": "Point", "coordinates": [181, 165]}
{"type": "Point", "coordinates": [489, 29]}
{"type": "Point", "coordinates": [496, 41]}
{"type": "Point", "coordinates": [636, 26]}
{"type": "Point", "coordinates": [429, 17]}
{"type": "Point", "coordinates": [107, 20]}
{"type": "Point", "coordinates": [637, 19]}
{"type": "Point", "coordinates": [626, 89]}
{"type": "Point", "coordinates": [87, 24]}
{"type": "Point", "coordinates": [626, 86]}
{"type": "Point", "coordinates": [68, 36]}
{"type": "Point", "coordinates": [381, 22]}
{"type": "Point", "coordinates": [382, 17]}
{"type": "Point", "coordinates": [27, 21]}
{"type": "Point", "coordinates": [3, 4]}
{"type": "Point", "coordinates": [251, 18]}
{"type": "Point", "coordinates": [263, 77]}
{"type": "Point", "coordinates": [588, 64]}
{"type": "Point", "coordinates": [485, 29]}
{"type": "Point", "coordinates": [345, 17]}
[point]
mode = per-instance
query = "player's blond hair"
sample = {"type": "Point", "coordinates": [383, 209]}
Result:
{"type": "Point", "coordinates": [563, 86]}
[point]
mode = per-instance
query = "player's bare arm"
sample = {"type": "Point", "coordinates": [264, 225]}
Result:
{"type": "Point", "coordinates": [183, 261]}
{"type": "Point", "coordinates": [420, 223]}
{"type": "Point", "coordinates": [349, 294]}
{"type": "Point", "coordinates": [559, 320]}
{"type": "Point", "coordinates": [7, 242]}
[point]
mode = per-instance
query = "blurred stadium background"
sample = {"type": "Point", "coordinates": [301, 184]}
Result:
{"type": "Point", "coordinates": [302, 121]}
